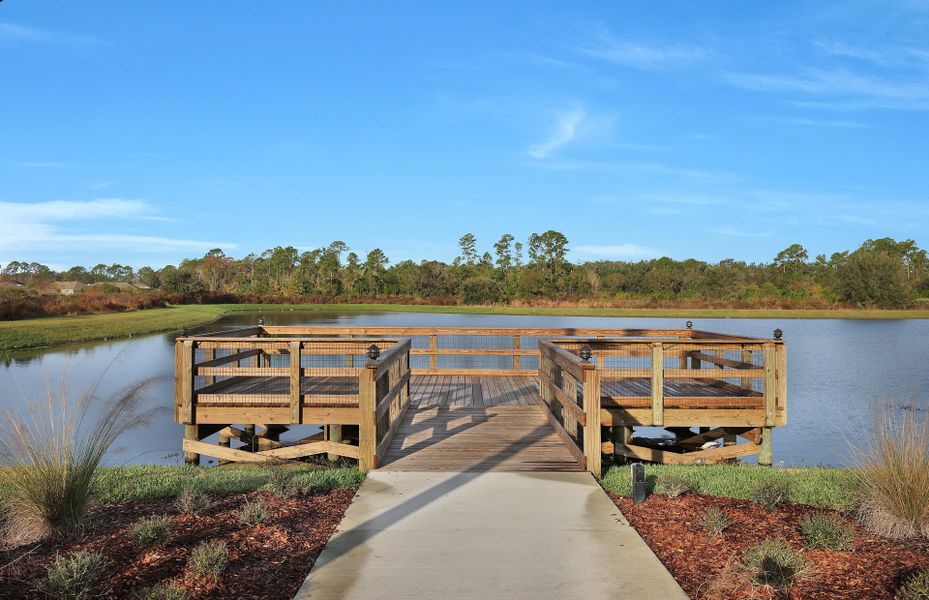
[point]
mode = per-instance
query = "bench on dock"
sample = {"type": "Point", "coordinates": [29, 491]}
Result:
{"type": "Point", "coordinates": [369, 389]}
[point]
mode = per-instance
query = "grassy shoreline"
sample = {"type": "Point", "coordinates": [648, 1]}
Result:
{"type": "Point", "coordinates": [55, 331]}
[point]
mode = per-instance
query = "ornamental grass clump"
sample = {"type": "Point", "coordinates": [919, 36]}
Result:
{"type": "Point", "coordinates": [826, 531]}
{"type": "Point", "coordinates": [208, 559]}
{"type": "Point", "coordinates": [894, 474]}
{"type": "Point", "coordinates": [774, 563]}
{"type": "Point", "coordinates": [192, 502]}
{"type": "Point", "coordinates": [673, 485]}
{"type": "Point", "coordinates": [166, 590]}
{"type": "Point", "coordinates": [715, 521]}
{"type": "Point", "coordinates": [150, 533]}
{"type": "Point", "coordinates": [51, 452]}
{"type": "Point", "coordinates": [915, 586]}
{"type": "Point", "coordinates": [253, 513]}
{"type": "Point", "coordinates": [73, 577]}
{"type": "Point", "coordinates": [771, 493]}
{"type": "Point", "coordinates": [282, 483]}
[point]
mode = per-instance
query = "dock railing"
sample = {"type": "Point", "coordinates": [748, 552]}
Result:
{"type": "Point", "coordinates": [242, 376]}
{"type": "Point", "coordinates": [269, 378]}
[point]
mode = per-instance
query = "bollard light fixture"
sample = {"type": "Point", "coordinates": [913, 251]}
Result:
{"type": "Point", "coordinates": [585, 353]}
{"type": "Point", "coordinates": [638, 483]}
{"type": "Point", "coordinates": [373, 352]}
{"type": "Point", "coordinates": [184, 331]}
{"type": "Point", "coordinates": [690, 324]}
{"type": "Point", "coordinates": [778, 334]}
{"type": "Point", "coordinates": [261, 321]}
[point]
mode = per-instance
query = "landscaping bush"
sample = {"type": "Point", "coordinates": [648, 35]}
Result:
{"type": "Point", "coordinates": [915, 587]}
{"type": "Point", "coordinates": [73, 577]}
{"type": "Point", "coordinates": [774, 563]}
{"type": "Point", "coordinates": [674, 485]}
{"type": "Point", "coordinates": [52, 451]}
{"type": "Point", "coordinates": [826, 531]}
{"type": "Point", "coordinates": [282, 483]}
{"type": "Point", "coordinates": [166, 590]}
{"type": "Point", "coordinates": [208, 559]}
{"type": "Point", "coordinates": [253, 513]}
{"type": "Point", "coordinates": [770, 493]}
{"type": "Point", "coordinates": [192, 502]}
{"type": "Point", "coordinates": [151, 532]}
{"type": "Point", "coordinates": [715, 521]}
{"type": "Point", "coordinates": [894, 474]}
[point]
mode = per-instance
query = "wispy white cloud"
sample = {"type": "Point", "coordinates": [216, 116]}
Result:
{"type": "Point", "coordinates": [602, 44]}
{"type": "Point", "coordinates": [616, 251]}
{"type": "Point", "coordinates": [847, 89]}
{"type": "Point", "coordinates": [845, 50]}
{"type": "Point", "coordinates": [825, 123]}
{"type": "Point", "coordinates": [662, 168]}
{"type": "Point", "coordinates": [568, 125]}
{"type": "Point", "coordinates": [10, 32]}
{"type": "Point", "coordinates": [735, 232]}
{"type": "Point", "coordinates": [51, 226]}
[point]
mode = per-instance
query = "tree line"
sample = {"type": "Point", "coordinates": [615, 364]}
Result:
{"type": "Point", "coordinates": [880, 273]}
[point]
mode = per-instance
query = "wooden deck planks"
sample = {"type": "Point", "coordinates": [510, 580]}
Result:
{"type": "Point", "coordinates": [477, 438]}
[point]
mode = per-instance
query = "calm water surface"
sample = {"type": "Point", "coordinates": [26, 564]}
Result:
{"type": "Point", "coordinates": [837, 371]}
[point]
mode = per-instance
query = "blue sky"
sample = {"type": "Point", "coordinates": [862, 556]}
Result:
{"type": "Point", "coordinates": [145, 132]}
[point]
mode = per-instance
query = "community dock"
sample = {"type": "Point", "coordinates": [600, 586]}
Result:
{"type": "Point", "coordinates": [462, 399]}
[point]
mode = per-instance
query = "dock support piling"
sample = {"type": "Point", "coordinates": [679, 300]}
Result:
{"type": "Point", "coordinates": [192, 432]}
{"type": "Point", "coordinates": [766, 448]}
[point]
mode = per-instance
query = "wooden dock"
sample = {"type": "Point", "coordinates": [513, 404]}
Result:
{"type": "Point", "coordinates": [479, 399]}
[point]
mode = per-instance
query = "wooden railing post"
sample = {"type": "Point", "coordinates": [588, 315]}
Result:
{"type": "Point", "coordinates": [433, 345]}
{"type": "Point", "coordinates": [516, 345]}
{"type": "Point", "coordinates": [770, 384]}
{"type": "Point", "coordinates": [295, 400]}
{"type": "Point", "coordinates": [592, 449]}
{"type": "Point", "coordinates": [367, 426]}
{"type": "Point", "coordinates": [657, 384]}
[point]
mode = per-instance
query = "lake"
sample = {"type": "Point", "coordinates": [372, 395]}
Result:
{"type": "Point", "coordinates": [837, 371]}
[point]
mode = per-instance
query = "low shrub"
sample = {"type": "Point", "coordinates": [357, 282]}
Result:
{"type": "Point", "coordinates": [674, 485]}
{"type": "Point", "coordinates": [774, 563]}
{"type": "Point", "coordinates": [208, 559]}
{"type": "Point", "coordinates": [253, 513]}
{"type": "Point", "coordinates": [894, 474]}
{"type": "Point", "coordinates": [166, 590]}
{"type": "Point", "coordinates": [826, 531]}
{"type": "Point", "coordinates": [715, 521]}
{"type": "Point", "coordinates": [770, 493]}
{"type": "Point", "coordinates": [151, 532]}
{"type": "Point", "coordinates": [282, 483]}
{"type": "Point", "coordinates": [192, 502]}
{"type": "Point", "coordinates": [915, 587]}
{"type": "Point", "coordinates": [74, 576]}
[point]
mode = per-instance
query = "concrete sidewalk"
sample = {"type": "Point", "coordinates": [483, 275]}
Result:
{"type": "Point", "coordinates": [486, 535]}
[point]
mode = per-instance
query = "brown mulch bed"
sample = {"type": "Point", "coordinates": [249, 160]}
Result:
{"type": "Point", "coordinates": [270, 560]}
{"type": "Point", "coordinates": [709, 568]}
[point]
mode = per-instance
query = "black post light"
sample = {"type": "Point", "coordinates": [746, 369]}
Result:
{"type": "Point", "coordinates": [638, 483]}
{"type": "Point", "coordinates": [778, 334]}
{"type": "Point", "coordinates": [586, 353]}
{"type": "Point", "coordinates": [373, 352]}
{"type": "Point", "coordinates": [690, 324]}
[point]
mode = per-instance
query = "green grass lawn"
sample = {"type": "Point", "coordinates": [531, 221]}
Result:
{"type": "Point", "coordinates": [817, 486]}
{"type": "Point", "coordinates": [52, 331]}
{"type": "Point", "coordinates": [139, 482]}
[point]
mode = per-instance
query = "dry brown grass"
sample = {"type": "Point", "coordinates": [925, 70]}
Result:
{"type": "Point", "coordinates": [894, 473]}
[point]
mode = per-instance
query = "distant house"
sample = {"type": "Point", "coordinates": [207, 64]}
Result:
{"type": "Point", "coordinates": [66, 288]}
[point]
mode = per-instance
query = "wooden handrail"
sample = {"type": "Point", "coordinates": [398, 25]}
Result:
{"type": "Point", "coordinates": [389, 357]}
{"type": "Point", "coordinates": [568, 361]}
